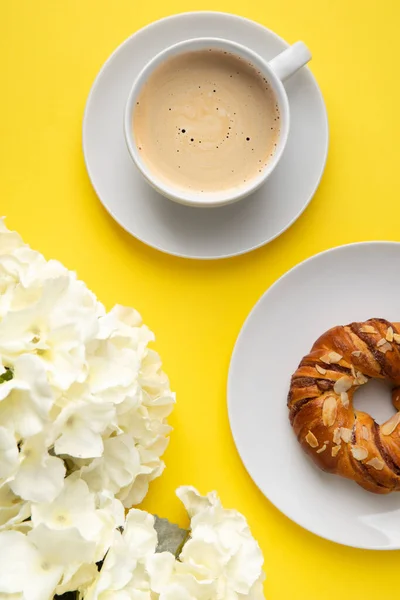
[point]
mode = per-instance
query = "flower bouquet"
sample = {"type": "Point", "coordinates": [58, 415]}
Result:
{"type": "Point", "coordinates": [83, 425]}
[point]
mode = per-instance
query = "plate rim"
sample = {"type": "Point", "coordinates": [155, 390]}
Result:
{"type": "Point", "coordinates": [93, 89]}
{"type": "Point", "coordinates": [297, 521]}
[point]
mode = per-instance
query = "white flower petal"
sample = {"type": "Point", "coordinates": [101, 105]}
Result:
{"type": "Point", "coordinates": [8, 453]}
{"type": "Point", "coordinates": [40, 476]}
{"type": "Point", "coordinates": [13, 510]}
{"type": "Point", "coordinates": [73, 507]}
{"type": "Point", "coordinates": [26, 400]}
{"type": "Point", "coordinates": [160, 568]}
{"type": "Point", "coordinates": [117, 468]}
{"type": "Point", "coordinates": [76, 577]}
{"type": "Point", "coordinates": [193, 501]}
{"type": "Point", "coordinates": [221, 547]}
{"type": "Point", "coordinates": [62, 547]}
{"type": "Point", "coordinates": [81, 425]}
{"type": "Point", "coordinates": [139, 533]}
{"type": "Point", "coordinates": [76, 508]}
{"type": "Point", "coordinates": [176, 592]}
{"type": "Point", "coordinates": [23, 569]}
{"type": "Point", "coordinates": [135, 492]}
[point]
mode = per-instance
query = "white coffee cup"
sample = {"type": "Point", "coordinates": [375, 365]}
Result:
{"type": "Point", "coordinates": [276, 71]}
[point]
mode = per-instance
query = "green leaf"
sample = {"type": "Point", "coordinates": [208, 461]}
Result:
{"type": "Point", "coordinates": [6, 376]}
{"type": "Point", "coordinates": [171, 538]}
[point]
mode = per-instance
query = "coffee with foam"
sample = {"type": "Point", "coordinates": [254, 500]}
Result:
{"type": "Point", "coordinates": [206, 121]}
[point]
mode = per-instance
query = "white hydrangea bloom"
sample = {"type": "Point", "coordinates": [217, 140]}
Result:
{"type": "Point", "coordinates": [117, 468]}
{"type": "Point", "coordinates": [75, 382]}
{"type": "Point", "coordinates": [64, 540]}
{"type": "Point", "coordinates": [80, 425]}
{"type": "Point", "coordinates": [83, 425]}
{"type": "Point", "coordinates": [23, 570]}
{"type": "Point", "coordinates": [221, 560]}
{"type": "Point", "coordinates": [40, 476]}
{"type": "Point", "coordinates": [56, 319]}
{"type": "Point", "coordinates": [221, 548]}
{"type": "Point", "coordinates": [124, 574]}
{"type": "Point", "coordinates": [74, 512]}
{"type": "Point", "coordinates": [26, 399]}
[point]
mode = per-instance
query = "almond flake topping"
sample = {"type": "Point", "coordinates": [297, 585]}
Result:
{"type": "Point", "coordinates": [361, 379]}
{"type": "Point", "coordinates": [368, 329]}
{"type": "Point", "coordinates": [336, 436]}
{"type": "Point", "coordinates": [325, 358]}
{"type": "Point", "coordinates": [322, 449]}
{"type": "Point", "coordinates": [381, 342]}
{"type": "Point", "coordinates": [359, 452]}
{"type": "Point", "coordinates": [356, 353]}
{"type": "Point", "coordinates": [386, 347]}
{"type": "Point", "coordinates": [335, 450]}
{"type": "Point", "coordinates": [396, 337]}
{"type": "Point", "coordinates": [342, 385]}
{"type": "Point", "coordinates": [389, 334]}
{"type": "Point", "coordinates": [345, 434]}
{"type": "Point", "coordinates": [344, 398]}
{"type": "Point", "coordinates": [335, 357]}
{"type": "Point", "coordinates": [365, 432]}
{"type": "Point", "coordinates": [329, 411]}
{"type": "Point", "coordinates": [388, 427]}
{"type": "Point", "coordinates": [311, 440]}
{"type": "Point", "coordinates": [320, 370]}
{"type": "Point", "coordinates": [376, 463]}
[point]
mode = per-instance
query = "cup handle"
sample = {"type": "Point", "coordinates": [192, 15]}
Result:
{"type": "Point", "coordinates": [290, 60]}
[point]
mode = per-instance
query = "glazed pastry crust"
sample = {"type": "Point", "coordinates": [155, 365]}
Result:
{"type": "Point", "coordinates": [338, 438]}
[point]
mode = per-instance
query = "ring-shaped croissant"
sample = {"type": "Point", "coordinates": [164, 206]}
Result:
{"type": "Point", "coordinates": [340, 439]}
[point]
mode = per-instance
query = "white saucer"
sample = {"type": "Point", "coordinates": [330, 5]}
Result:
{"type": "Point", "coordinates": [350, 283]}
{"type": "Point", "coordinates": [193, 232]}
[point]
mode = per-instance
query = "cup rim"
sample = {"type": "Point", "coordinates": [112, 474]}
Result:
{"type": "Point", "coordinates": [206, 199]}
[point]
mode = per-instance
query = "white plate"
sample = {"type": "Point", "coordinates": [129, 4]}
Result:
{"type": "Point", "coordinates": [349, 283]}
{"type": "Point", "coordinates": [187, 231]}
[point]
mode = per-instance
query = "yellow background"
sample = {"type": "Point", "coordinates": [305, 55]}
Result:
{"type": "Point", "coordinates": [51, 51]}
